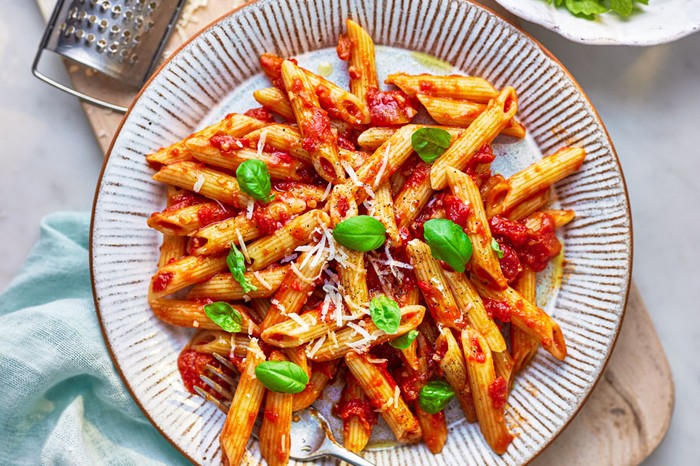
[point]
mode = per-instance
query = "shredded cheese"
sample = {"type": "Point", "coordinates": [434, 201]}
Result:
{"type": "Point", "coordinates": [385, 162]}
{"type": "Point", "coordinates": [199, 183]}
{"type": "Point", "coordinates": [261, 142]}
{"type": "Point", "coordinates": [327, 192]}
{"type": "Point", "coordinates": [310, 352]}
{"type": "Point", "coordinates": [195, 324]}
{"type": "Point", "coordinates": [397, 396]}
{"type": "Point", "coordinates": [297, 318]}
{"type": "Point", "coordinates": [262, 281]}
{"type": "Point", "coordinates": [241, 244]}
{"type": "Point", "coordinates": [249, 209]}
{"type": "Point", "coordinates": [359, 330]}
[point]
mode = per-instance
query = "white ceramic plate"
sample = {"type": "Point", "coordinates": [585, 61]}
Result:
{"type": "Point", "coordinates": [217, 71]}
{"type": "Point", "coordinates": [659, 22]}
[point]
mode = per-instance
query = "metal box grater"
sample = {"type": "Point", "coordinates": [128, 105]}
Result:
{"type": "Point", "coordinates": [122, 39]}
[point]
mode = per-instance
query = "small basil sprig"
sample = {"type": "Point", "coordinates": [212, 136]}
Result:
{"type": "Point", "coordinates": [430, 143]}
{"type": "Point", "coordinates": [497, 247]}
{"type": "Point", "coordinates": [448, 242]}
{"type": "Point", "coordinates": [254, 180]}
{"type": "Point", "coordinates": [434, 396]}
{"type": "Point", "coordinates": [236, 264]}
{"type": "Point", "coordinates": [405, 340]}
{"type": "Point", "coordinates": [225, 316]}
{"type": "Point", "coordinates": [385, 313]}
{"type": "Point", "coordinates": [360, 233]}
{"type": "Point", "coordinates": [282, 376]}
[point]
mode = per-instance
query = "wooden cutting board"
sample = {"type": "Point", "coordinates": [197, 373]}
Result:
{"type": "Point", "coordinates": [629, 411]}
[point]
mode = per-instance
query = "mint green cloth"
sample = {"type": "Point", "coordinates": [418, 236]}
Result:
{"type": "Point", "coordinates": [61, 400]}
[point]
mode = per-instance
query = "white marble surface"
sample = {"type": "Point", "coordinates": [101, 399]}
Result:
{"type": "Point", "coordinates": [649, 98]}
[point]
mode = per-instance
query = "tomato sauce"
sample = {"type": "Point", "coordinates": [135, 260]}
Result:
{"type": "Point", "coordinates": [542, 245]}
{"type": "Point", "coordinates": [226, 143]}
{"type": "Point", "coordinates": [344, 47]}
{"type": "Point", "coordinates": [210, 213]}
{"type": "Point", "coordinates": [498, 392]}
{"type": "Point", "coordinates": [477, 352]}
{"type": "Point", "coordinates": [390, 107]}
{"type": "Point", "coordinates": [499, 310]}
{"type": "Point", "coordinates": [456, 210]}
{"type": "Point", "coordinates": [345, 143]}
{"type": "Point", "coordinates": [432, 297]}
{"type": "Point", "coordinates": [515, 233]}
{"type": "Point", "coordinates": [261, 113]}
{"type": "Point", "coordinates": [510, 263]}
{"type": "Point", "coordinates": [161, 281]}
{"type": "Point", "coordinates": [343, 206]}
{"type": "Point", "coordinates": [191, 365]}
{"type": "Point", "coordinates": [266, 223]}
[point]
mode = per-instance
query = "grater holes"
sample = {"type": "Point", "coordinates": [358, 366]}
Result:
{"type": "Point", "coordinates": [92, 20]}
{"type": "Point", "coordinates": [103, 24]}
{"type": "Point", "coordinates": [114, 30]}
{"type": "Point", "coordinates": [70, 30]}
{"type": "Point", "coordinates": [62, 27]}
{"type": "Point", "coordinates": [128, 16]}
{"type": "Point", "coordinates": [149, 25]}
{"type": "Point", "coordinates": [82, 16]}
{"type": "Point", "coordinates": [116, 11]}
{"type": "Point", "coordinates": [101, 44]}
{"type": "Point", "coordinates": [79, 34]}
{"type": "Point", "coordinates": [113, 47]}
{"type": "Point", "coordinates": [90, 38]}
{"type": "Point", "coordinates": [152, 6]}
{"type": "Point", "coordinates": [133, 59]}
{"type": "Point", "coordinates": [105, 5]}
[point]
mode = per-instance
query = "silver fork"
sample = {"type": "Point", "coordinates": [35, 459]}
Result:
{"type": "Point", "coordinates": [311, 435]}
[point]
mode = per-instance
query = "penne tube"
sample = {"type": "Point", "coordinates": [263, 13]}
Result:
{"type": "Point", "coordinates": [470, 303]}
{"type": "Point", "coordinates": [452, 86]}
{"type": "Point", "coordinates": [321, 375]}
{"type": "Point", "coordinates": [536, 178]}
{"type": "Point", "coordinates": [524, 346]}
{"type": "Point", "coordinates": [433, 285]}
{"type": "Point", "coordinates": [372, 138]}
{"type": "Point", "coordinates": [341, 204]}
{"type": "Point", "coordinates": [525, 208]}
{"type": "Point", "coordinates": [338, 102]}
{"type": "Point", "coordinates": [275, 441]}
{"type": "Point", "coordinates": [207, 182]}
{"type": "Point", "coordinates": [383, 210]}
{"type": "Point", "coordinates": [184, 272]}
{"type": "Point", "coordinates": [454, 112]}
{"type": "Point", "coordinates": [280, 165]}
{"type": "Point", "coordinates": [503, 363]}
{"type": "Point", "coordinates": [217, 237]}
{"type": "Point", "coordinates": [223, 287]}
{"type": "Point", "coordinates": [434, 428]}
{"type": "Point", "coordinates": [220, 342]}
{"type": "Point", "coordinates": [191, 314]}
{"type": "Point", "coordinates": [290, 333]}
{"type": "Point", "coordinates": [299, 281]}
{"type": "Point", "coordinates": [352, 275]}
{"type": "Point", "coordinates": [314, 123]}
{"type": "Point", "coordinates": [357, 415]}
{"type": "Point", "coordinates": [561, 217]}
{"type": "Point", "coordinates": [361, 67]}
{"type": "Point", "coordinates": [385, 396]}
{"type": "Point", "coordinates": [186, 220]}
{"type": "Point", "coordinates": [282, 242]}
{"type": "Point", "coordinates": [412, 198]}
{"type": "Point", "coordinates": [260, 308]}
{"type": "Point", "coordinates": [489, 391]}
{"type": "Point", "coordinates": [362, 336]}
{"type": "Point", "coordinates": [455, 370]}
{"type": "Point", "coordinates": [298, 356]}
{"type": "Point", "coordinates": [529, 318]}
{"type": "Point", "coordinates": [172, 249]}
{"type": "Point", "coordinates": [233, 124]}
{"type": "Point", "coordinates": [244, 408]}
{"type": "Point", "coordinates": [410, 354]}
{"type": "Point", "coordinates": [482, 131]}
{"type": "Point", "coordinates": [275, 100]}
{"type": "Point", "coordinates": [484, 261]}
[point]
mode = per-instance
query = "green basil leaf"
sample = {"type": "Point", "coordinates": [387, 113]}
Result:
{"type": "Point", "coordinates": [254, 180]}
{"type": "Point", "coordinates": [589, 8]}
{"type": "Point", "coordinates": [282, 376]}
{"type": "Point", "coordinates": [236, 264]}
{"type": "Point", "coordinates": [430, 143]}
{"type": "Point", "coordinates": [225, 316]}
{"type": "Point", "coordinates": [405, 340]}
{"type": "Point", "coordinates": [385, 313]}
{"type": "Point", "coordinates": [448, 242]}
{"type": "Point", "coordinates": [360, 233]}
{"type": "Point", "coordinates": [497, 247]}
{"type": "Point", "coordinates": [434, 396]}
{"type": "Point", "coordinates": [622, 7]}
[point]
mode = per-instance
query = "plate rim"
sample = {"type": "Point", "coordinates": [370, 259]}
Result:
{"type": "Point", "coordinates": [249, 3]}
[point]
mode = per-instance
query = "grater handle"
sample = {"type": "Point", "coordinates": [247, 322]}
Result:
{"type": "Point", "coordinates": [81, 95]}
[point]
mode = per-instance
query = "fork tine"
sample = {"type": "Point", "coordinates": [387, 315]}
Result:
{"type": "Point", "coordinates": [218, 388]}
{"type": "Point", "coordinates": [221, 374]}
{"type": "Point", "coordinates": [207, 396]}
{"type": "Point", "coordinates": [224, 361]}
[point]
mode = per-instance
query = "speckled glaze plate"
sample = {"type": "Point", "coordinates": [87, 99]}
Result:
{"type": "Point", "coordinates": [658, 22]}
{"type": "Point", "coordinates": [216, 72]}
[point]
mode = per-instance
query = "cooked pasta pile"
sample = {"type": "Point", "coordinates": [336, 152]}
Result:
{"type": "Point", "coordinates": [306, 239]}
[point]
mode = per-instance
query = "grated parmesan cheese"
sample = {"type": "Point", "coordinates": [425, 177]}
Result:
{"type": "Point", "coordinates": [262, 281]}
{"type": "Point", "coordinates": [397, 396]}
{"type": "Point", "coordinates": [249, 209]}
{"type": "Point", "coordinates": [359, 330]}
{"type": "Point", "coordinates": [241, 244]}
{"type": "Point", "coordinates": [310, 352]}
{"type": "Point", "coordinates": [195, 324]}
{"type": "Point", "coordinates": [327, 192]}
{"type": "Point", "coordinates": [297, 318]}
{"type": "Point", "coordinates": [385, 162]}
{"type": "Point", "coordinates": [261, 142]}
{"type": "Point", "coordinates": [199, 183]}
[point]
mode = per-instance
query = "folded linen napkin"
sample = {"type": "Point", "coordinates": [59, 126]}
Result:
{"type": "Point", "coordinates": [61, 400]}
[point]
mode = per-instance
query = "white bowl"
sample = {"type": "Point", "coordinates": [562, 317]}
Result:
{"type": "Point", "coordinates": [659, 22]}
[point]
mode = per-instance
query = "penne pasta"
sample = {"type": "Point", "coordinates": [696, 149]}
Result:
{"type": "Point", "coordinates": [384, 395]}
{"type": "Point", "coordinates": [482, 131]}
{"type": "Point", "coordinates": [191, 314]}
{"type": "Point", "coordinates": [361, 67]}
{"type": "Point", "coordinates": [275, 100]}
{"type": "Point", "coordinates": [455, 370]}
{"type": "Point", "coordinates": [524, 346]}
{"type": "Point", "coordinates": [244, 408]}
{"type": "Point", "coordinates": [321, 374]}
{"type": "Point", "coordinates": [357, 415]}
{"type": "Point", "coordinates": [489, 391]}
{"type": "Point", "coordinates": [220, 342]}
{"type": "Point", "coordinates": [234, 124]}
{"type": "Point", "coordinates": [181, 221]}
{"type": "Point", "coordinates": [454, 112]}
{"type": "Point", "coordinates": [184, 272]}
{"type": "Point", "coordinates": [275, 441]}
{"type": "Point", "coordinates": [453, 86]}
{"type": "Point", "coordinates": [536, 178]}
{"type": "Point", "coordinates": [338, 102]}
{"type": "Point", "coordinates": [484, 261]}
{"type": "Point", "coordinates": [383, 210]}
{"type": "Point", "coordinates": [223, 287]}
{"type": "Point", "coordinates": [525, 208]}
{"type": "Point", "coordinates": [433, 285]}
